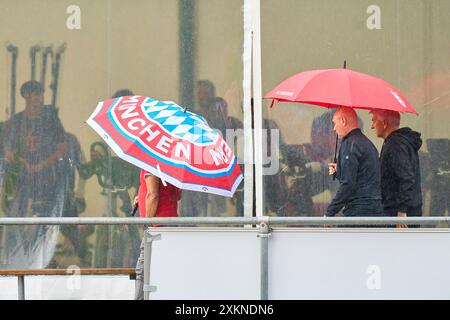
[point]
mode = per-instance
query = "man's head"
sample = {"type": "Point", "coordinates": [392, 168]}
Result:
{"type": "Point", "coordinates": [384, 122]}
{"type": "Point", "coordinates": [33, 93]}
{"type": "Point", "coordinates": [221, 105]}
{"type": "Point", "coordinates": [344, 121]}
{"type": "Point", "coordinates": [206, 92]}
{"type": "Point", "coordinates": [122, 93]}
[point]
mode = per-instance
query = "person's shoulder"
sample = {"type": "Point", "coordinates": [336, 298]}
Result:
{"type": "Point", "coordinates": [71, 139]}
{"type": "Point", "coordinates": [49, 109]}
{"type": "Point", "coordinates": [235, 122]}
{"type": "Point", "coordinates": [17, 116]}
{"type": "Point", "coordinates": [360, 136]}
{"type": "Point", "coordinates": [395, 146]}
{"type": "Point", "coordinates": [15, 119]}
{"type": "Point", "coordinates": [362, 143]}
{"type": "Point", "coordinates": [394, 141]}
{"type": "Point", "coordinates": [49, 113]}
{"type": "Point", "coordinates": [146, 173]}
{"type": "Point", "coordinates": [357, 136]}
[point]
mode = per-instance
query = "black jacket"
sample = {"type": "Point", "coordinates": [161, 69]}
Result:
{"type": "Point", "coordinates": [400, 173]}
{"type": "Point", "coordinates": [358, 172]}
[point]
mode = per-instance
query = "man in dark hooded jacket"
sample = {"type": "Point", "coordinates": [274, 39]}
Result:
{"type": "Point", "coordinates": [400, 169]}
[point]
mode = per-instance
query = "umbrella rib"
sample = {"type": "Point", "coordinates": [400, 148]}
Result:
{"type": "Point", "coordinates": [161, 175]}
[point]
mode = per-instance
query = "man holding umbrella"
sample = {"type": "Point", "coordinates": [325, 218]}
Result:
{"type": "Point", "coordinates": [400, 169]}
{"type": "Point", "coordinates": [357, 170]}
{"type": "Point", "coordinates": [155, 199]}
{"type": "Point", "coordinates": [174, 147]}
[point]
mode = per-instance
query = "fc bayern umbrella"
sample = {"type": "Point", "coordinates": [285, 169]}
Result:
{"type": "Point", "coordinates": [170, 142]}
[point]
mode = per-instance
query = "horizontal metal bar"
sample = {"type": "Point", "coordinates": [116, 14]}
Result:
{"type": "Point", "coordinates": [230, 221]}
{"type": "Point", "coordinates": [357, 220]}
{"type": "Point", "coordinates": [138, 221]}
{"type": "Point", "coordinates": [67, 271]}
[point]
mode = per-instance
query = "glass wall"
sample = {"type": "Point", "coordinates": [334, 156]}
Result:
{"type": "Point", "coordinates": [53, 163]}
{"type": "Point", "coordinates": [404, 42]}
{"type": "Point", "coordinates": [191, 51]}
{"type": "Point", "coordinates": [217, 41]}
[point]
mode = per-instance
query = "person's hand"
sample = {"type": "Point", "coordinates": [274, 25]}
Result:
{"type": "Point", "coordinates": [80, 204]}
{"type": "Point", "coordinates": [179, 208]}
{"type": "Point", "coordinates": [9, 155]}
{"type": "Point", "coordinates": [402, 215]}
{"type": "Point", "coordinates": [332, 167]}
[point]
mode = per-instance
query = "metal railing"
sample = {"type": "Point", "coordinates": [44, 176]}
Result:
{"type": "Point", "coordinates": [263, 223]}
{"type": "Point", "coordinates": [224, 221]}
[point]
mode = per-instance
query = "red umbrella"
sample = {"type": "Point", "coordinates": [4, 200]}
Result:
{"type": "Point", "coordinates": [333, 88]}
{"type": "Point", "coordinates": [172, 143]}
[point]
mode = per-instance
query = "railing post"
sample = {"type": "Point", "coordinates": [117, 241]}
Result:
{"type": "Point", "coordinates": [264, 257]}
{"type": "Point", "coordinates": [148, 240]}
{"type": "Point", "coordinates": [21, 287]}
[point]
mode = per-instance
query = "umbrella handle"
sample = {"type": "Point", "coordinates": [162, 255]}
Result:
{"type": "Point", "coordinates": [335, 155]}
{"type": "Point", "coordinates": [133, 212]}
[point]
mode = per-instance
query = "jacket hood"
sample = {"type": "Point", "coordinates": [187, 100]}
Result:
{"type": "Point", "coordinates": [410, 136]}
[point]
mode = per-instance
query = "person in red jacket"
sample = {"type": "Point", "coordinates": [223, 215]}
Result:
{"type": "Point", "coordinates": [154, 200]}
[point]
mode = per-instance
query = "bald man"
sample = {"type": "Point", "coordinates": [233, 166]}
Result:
{"type": "Point", "coordinates": [400, 168]}
{"type": "Point", "coordinates": [357, 169]}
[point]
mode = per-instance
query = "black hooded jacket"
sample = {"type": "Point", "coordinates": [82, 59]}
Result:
{"type": "Point", "coordinates": [400, 173]}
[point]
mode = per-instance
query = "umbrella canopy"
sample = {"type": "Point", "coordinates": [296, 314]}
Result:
{"type": "Point", "coordinates": [176, 145]}
{"type": "Point", "coordinates": [333, 88]}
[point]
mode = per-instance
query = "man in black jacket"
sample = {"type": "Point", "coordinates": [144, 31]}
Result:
{"type": "Point", "coordinates": [400, 168]}
{"type": "Point", "coordinates": [357, 170]}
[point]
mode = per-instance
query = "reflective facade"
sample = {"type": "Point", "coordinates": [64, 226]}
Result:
{"type": "Point", "coordinates": [191, 52]}
{"type": "Point", "coordinates": [53, 163]}
{"type": "Point", "coordinates": [404, 42]}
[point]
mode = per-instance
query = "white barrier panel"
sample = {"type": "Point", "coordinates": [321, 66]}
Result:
{"type": "Point", "coordinates": [8, 288]}
{"type": "Point", "coordinates": [224, 263]}
{"type": "Point", "coordinates": [86, 287]}
{"type": "Point", "coordinates": [358, 264]}
{"type": "Point", "coordinates": [303, 264]}
{"type": "Point", "coordinates": [219, 263]}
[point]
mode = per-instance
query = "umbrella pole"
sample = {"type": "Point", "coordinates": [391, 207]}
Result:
{"type": "Point", "coordinates": [335, 155]}
{"type": "Point", "coordinates": [337, 137]}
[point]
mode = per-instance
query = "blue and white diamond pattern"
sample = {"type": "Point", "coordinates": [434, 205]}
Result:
{"type": "Point", "coordinates": [185, 125]}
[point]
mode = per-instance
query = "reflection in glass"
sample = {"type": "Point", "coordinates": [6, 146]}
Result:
{"type": "Point", "coordinates": [323, 39]}
{"type": "Point", "coordinates": [52, 163]}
